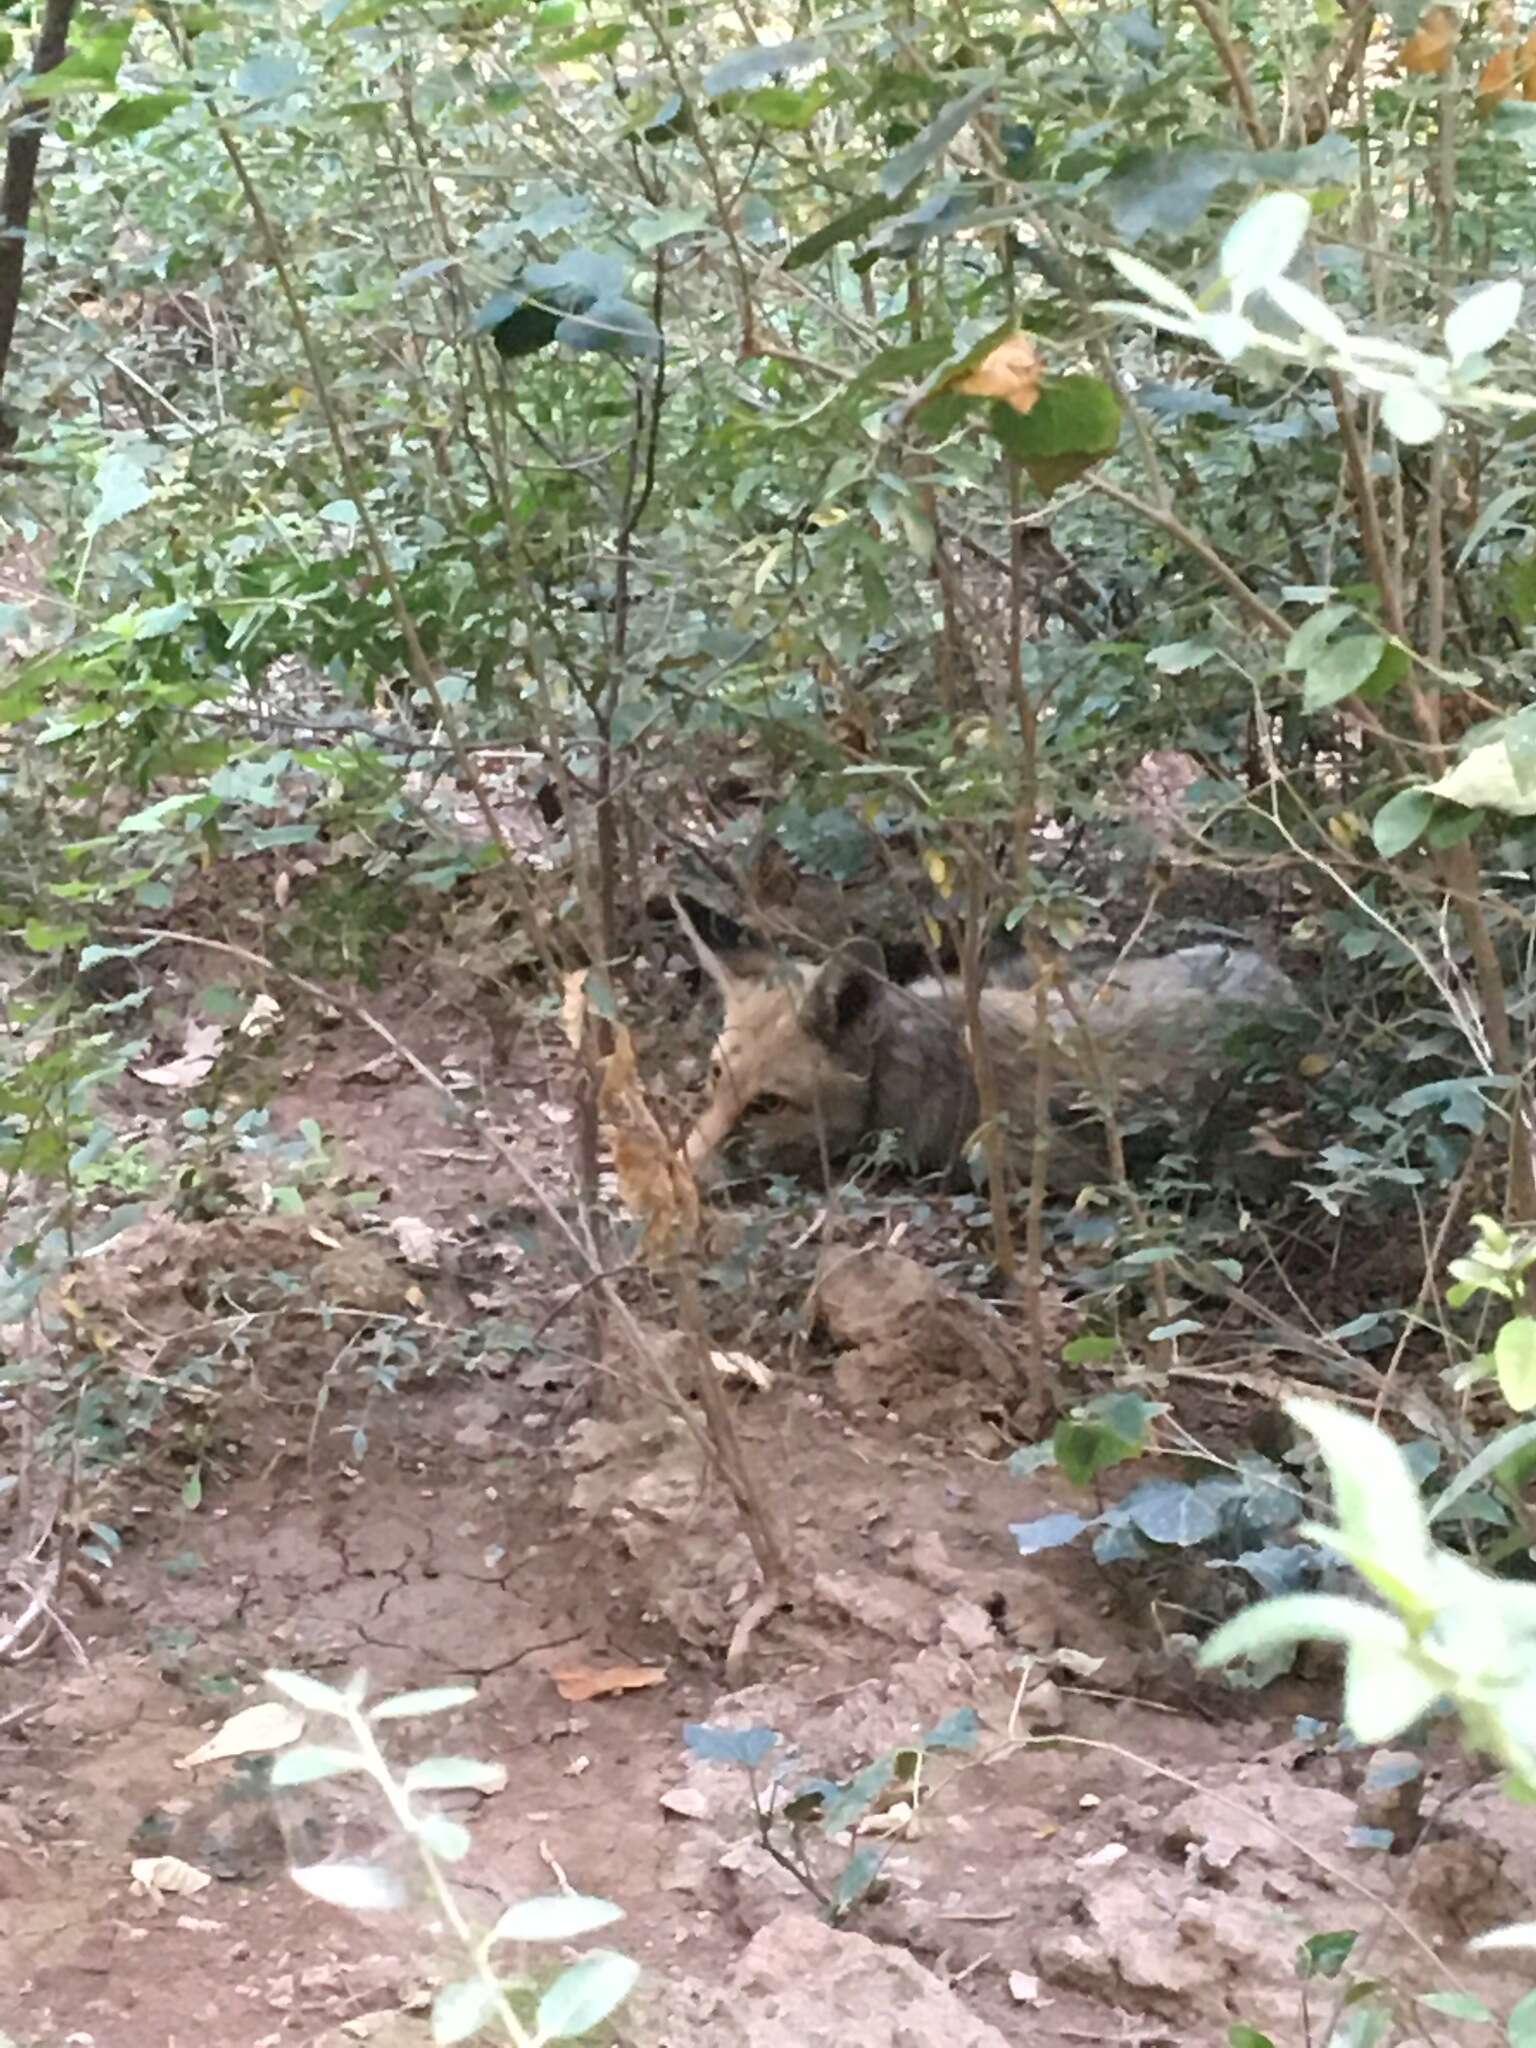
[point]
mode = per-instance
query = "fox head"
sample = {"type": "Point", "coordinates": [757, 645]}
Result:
{"type": "Point", "coordinates": [791, 1069]}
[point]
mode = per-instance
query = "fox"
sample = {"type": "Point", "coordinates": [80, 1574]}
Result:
{"type": "Point", "coordinates": [813, 1060]}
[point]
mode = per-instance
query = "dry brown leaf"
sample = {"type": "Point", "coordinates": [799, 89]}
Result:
{"type": "Point", "coordinates": [168, 1877]}
{"type": "Point", "coordinates": [579, 1683]}
{"type": "Point", "coordinates": [1427, 52]}
{"type": "Point", "coordinates": [200, 1048]}
{"type": "Point", "coordinates": [254, 1731]}
{"type": "Point", "coordinates": [1498, 78]}
{"type": "Point", "coordinates": [654, 1180]}
{"type": "Point", "coordinates": [1013, 372]}
{"type": "Point", "coordinates": [573, 1008]}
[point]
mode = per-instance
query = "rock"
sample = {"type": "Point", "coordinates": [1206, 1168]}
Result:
{"type": "Point", "coordinates": [968, 1626]}
{"type": "Point", "coordinates": [801, 1984]}
{"type": "Point", "coordinates": [1043, 1707]}
{"type": "Point", "coordinates": [1392, 1794]}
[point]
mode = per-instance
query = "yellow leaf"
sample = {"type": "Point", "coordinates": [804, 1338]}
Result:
{"type": "Point", "coordinates": [1345, 829]}
{"type": "Point", "coordinates": [1312, 1065]}
{"type": "Point", "coordinates": [655, 1182]}
{"type": "Point", "coordinates": [938, 870]}
{"type": "Point", "coordinates": [1013, 372]}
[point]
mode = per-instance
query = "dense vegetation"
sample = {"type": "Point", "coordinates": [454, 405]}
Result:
{"type": "Point", "coordinates": [1042, 480]}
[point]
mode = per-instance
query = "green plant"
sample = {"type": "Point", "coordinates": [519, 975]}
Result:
{"type": "Point", "coordinates": [1445, 1628]}
{"type": "Point", "coordinates": [880, 1800]}
{"type": "Point", "coordinates": [513, 2005]}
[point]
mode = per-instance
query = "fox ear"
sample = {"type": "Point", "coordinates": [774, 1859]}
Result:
{"type": "Point", "coordinates": [842, 1000]}
{"type": "Point", "coordinates": [711, 962]}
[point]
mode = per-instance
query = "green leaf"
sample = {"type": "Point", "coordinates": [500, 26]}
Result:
{"type": "Point", "coordinates": [40, 937]}
{"type": "Point", "coordinates": [1400, 821]}
{"type": "Point", "coordinates": [910, 163]}
{"type": "Point", "coordinates": [1340, 669]}
{"type": "Point", "coordinates": [1377, 1501]}
{"type": "Point", "coordinates": [447, 1839]}
{"type": "Point", "coordinates": [121, 488]}
{"type": "Point", "coordinates": [1410, 417]}
{"type": "Point", "coordinates": [584, 1995]}
{"type": "Point", "coordinates": [133, 116]}
{"type": "Point", "coordinates": [90, 66]}
{"type": "Point", "coordinates": [1514, 1357]}
{"type": "Point", "coordinates": [847, 227]}
{"type": "Point", "coordinates": [268, 76]}
{"type": "Point", "coordinates": [1521, 2025]}
{"type": "Point", "coordinates": [1180, 656]}
{"type": "Point", "coordinates": [651, 230]}
{"type": "Point", "coordinates": [1084, 1448]}
{"type": "Point", "coordinates": [1090, 1350]}
{"type": "Point", "coordinates": [1494, 775]}
{"type": "Point", "coordinates": [782, 106]}
{"type": "Point", "coordinates": [560, 1916]}
{"type": "Point", "coordinates": [1385, 1691]}
{"type": "Point", "coordinates": [312, 1762]}
{"type": "Point", "coordinates": [1075, 422]}
{"type": "Point", "coordinates": [744, 68]}
{"type": "Point", "coordinates": [1300, 1618]}
{"type": "Point", "coordinates": [1244, 2036]}
{"type": "Point", "coordinates": [596, 41]}
{"type": "Point", "coordinates": [308, 1693]}
{"type": "Point", "coordinates": [1169, 192]}
{"type": "Point", "coordinates": [1262, 242]}
{"type": "Point", "coordinates": [461, 2009]}
{"type": "Point", "coordinates": [855, 1879]}
{"type": "Point", "coordinates": [1481, 322]}
{"type": "Point", "coordinates": [1324, 1955]}
{"type": "Point", "coordinates": [359, 1887]}
{"type": "Point", "coordinates": [1307, 642]}
{"type": "Point", "coordinates": [1506, 1445]}
{"type": "Point", "coordinates": [1457, 2005]}
{"type": "Point", "coordinates": [454, 1774]}
{"type": "Point", "coordinates": [611, 327]}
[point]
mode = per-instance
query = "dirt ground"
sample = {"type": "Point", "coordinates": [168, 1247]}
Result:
{"type": "Point", "coordinates": [378, 1442]}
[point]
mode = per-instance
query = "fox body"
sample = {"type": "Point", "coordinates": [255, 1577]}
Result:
{"type": "Point", "coordinates": [811, 1060]}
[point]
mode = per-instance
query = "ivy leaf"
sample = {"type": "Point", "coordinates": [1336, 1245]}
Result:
{"type": "Point", "coordinates": [1400, 821]}
{"type": "Point", "coordinates": [746, 1747]}
{"type": "Point", "coordinates": [121, 488]}
{"type": "Point", "coordinates": [1047, 1532]}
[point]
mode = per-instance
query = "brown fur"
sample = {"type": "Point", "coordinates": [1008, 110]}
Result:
{"type": "Point", "coordinates": [811, 1061]}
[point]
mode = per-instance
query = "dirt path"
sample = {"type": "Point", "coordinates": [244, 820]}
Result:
{"type": "Point", "coordinates": [1124, 1855]}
